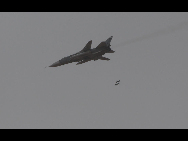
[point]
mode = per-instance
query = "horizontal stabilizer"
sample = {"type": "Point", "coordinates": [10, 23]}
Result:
{"type": "Point", "coordinates": [87, 47]}
{"type": "Point", "coordinates": [104, 58]}
{"type": "Point", "coordinates": [111, 51]}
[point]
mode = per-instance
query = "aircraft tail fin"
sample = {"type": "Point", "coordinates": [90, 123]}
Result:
{"type": "Point", "coordinates": [105, 43]}
{"type": "Point", "coordinates": [108, 41]}
{"type": "Point", "coordinates": [87, 47]}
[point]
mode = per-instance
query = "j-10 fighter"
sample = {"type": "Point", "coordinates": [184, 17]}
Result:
{"type": "Point", "coordinates": [87, 54]}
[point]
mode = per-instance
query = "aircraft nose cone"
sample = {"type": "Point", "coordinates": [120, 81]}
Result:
{"type": "Point", "coordinates": [55, 64]}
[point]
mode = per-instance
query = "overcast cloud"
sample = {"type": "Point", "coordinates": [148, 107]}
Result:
{"type": "Point", "coordinates": [150, 60]}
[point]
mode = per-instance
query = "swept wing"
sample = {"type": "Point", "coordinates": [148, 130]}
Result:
{"type": "Point", "coordinates": [87, 47]}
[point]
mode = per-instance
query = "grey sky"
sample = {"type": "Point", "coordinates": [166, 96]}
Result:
{"type": "Point", "coordinates": [150, 60]}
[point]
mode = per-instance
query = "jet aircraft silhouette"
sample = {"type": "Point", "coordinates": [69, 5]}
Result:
{"type": "Point", "coordinates": [87, 54]}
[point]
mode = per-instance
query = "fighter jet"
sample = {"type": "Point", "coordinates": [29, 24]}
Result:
{"type": "Point", "coordinates": [87, 54]}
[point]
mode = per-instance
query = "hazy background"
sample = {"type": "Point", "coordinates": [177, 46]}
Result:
{"type": "Point", "coordinates": [151, 60]}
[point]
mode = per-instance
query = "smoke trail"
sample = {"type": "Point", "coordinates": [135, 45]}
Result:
{"type": "Point", "coordinates": [163, 31]}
